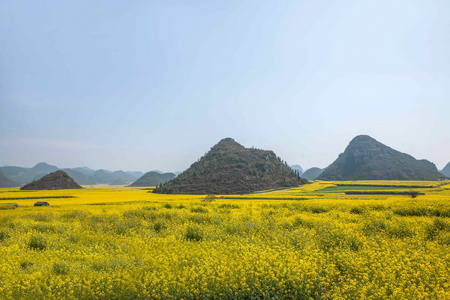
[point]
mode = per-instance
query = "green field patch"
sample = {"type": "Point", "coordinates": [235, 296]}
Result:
{"type": "Point", "coordinates": [382, 193]}
{"type": "Point", "coordinates": [390, 186]}
{"type": "Point", "coordinates": [344, 188]}
{"type": "Point", "coordinates": [262, 198]}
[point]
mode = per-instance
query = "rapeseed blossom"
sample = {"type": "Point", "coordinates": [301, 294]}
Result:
{"type": "Point", "coordinates": [302, 243]}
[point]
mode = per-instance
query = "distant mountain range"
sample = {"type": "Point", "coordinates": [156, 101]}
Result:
{"type": "Point", "coordinates": [6, 181]}
{"type": "Point", "coordinates": [364, 159]}
{"type": "Point", "coordinates": [367, 159]}
{"type": "Point", "coordinates": [81, 175]}
{"type": "Point", "coordinates": [230, 168]}
{"type": "Point", "coordinates": [153, 178]}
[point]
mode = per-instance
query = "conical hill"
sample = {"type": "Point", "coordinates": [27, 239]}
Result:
{"type": "Point", "coordinates": [57, 180]}
{"type": "Point", "coordinates": [367, 159]}
{"type": "Point", "coordinates": [230, 168]}
{"type": "Point", "coordinates": [446, 170]}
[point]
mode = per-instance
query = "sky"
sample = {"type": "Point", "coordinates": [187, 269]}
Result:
{"type": "Point", "coordinates": [145, 85]}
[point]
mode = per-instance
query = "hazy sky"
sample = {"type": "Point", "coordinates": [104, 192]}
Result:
{"type": "Point", "coordinates": [142, 85]}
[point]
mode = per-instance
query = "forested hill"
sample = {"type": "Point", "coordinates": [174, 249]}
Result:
{"type": "Point", "coordinates": [367, 159]}
{"type": "Point", "coordinates": [230, 168]}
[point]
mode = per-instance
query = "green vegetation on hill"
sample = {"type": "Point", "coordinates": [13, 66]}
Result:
{"type": "Point", "coordinates": [230, 168]}
{"type": "Point", "coordinates": [57, 180]}
{"type": "Point", "coordinates": [367, 159]}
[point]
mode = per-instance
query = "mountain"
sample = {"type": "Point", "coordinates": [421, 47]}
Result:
{"type": "Point", "coordinates": [125, 176]}
{"type": "Point", "coordinates": [107, 177]}
{"type": "Point", "coordinates": [367, 159]}
{"type": "Point", "coordinates": [135, 174]}
{"type": "Point", "coordinates": [118, 181]}
{"type": "Point", "coordinates": [43, 167]}
{"type": "Point", "coordinates": [101, 177]}
{"type": "Point", "coordinates": [312, 173]}
{"type": "Point", "coordinates": [5, 181]}
{"type": "Point", "coordinates": [446, 170]}
{"type": "Point", "coordinates": [84, 170]}
{"type": "Point", "coordinates": [81, 175]}
{"type": "Point", "coordinates": [153, 179]}
{"type": "Point", "coordinates": [157, 171]}
{"type": "Point", "coordinates": [25, 175]}
{"type": "Point", "coordinates": [57, 180]}
{"type": "Point", "coordinates": [80, 178]}
{"type": "Point", "coordinates": [298, 169]}
{"type": "Point", "coordinates": [12, 171]}
{"type": "Point", "coordinates": [230, 168]}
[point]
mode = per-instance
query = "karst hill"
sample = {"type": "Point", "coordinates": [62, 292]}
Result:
{"type": "Point", "coordinates": [367, 159]}
{"type": "Point", "coordinates": [230, 168]}
{"type": "Point", "coordinates": [312, 173]}
{"type": "Point", "coordinates": [446, 170]}
{"type": "Point", "coordinates": [58, 180]}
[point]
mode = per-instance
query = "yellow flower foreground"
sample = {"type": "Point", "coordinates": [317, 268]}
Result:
{"type": "Point", "coordinates": [302, 243]}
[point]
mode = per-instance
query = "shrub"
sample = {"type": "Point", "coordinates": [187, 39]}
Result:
{"type": "Point", "coordinates": [201, 218]}
{"type": "Point", "coordinates": [298, 221]}
{"type": "Point", "coordinates": [37, 242]}
{"type": "Point", "coordinates": [76, 214]}
{"type": "Point", "coordinates": [144, 213]}
{"type": "Point", "coordinates": [441, 224]}
{"type": "Point", "coordinates": [26, 264]}
{"type": "Point", "coordinates": [413, 194]}
{"type": "Point", "coordinates": [199, 209]}
{"type": "Point", "coordinates": [209, 198]}
{"type": "Point", "coordinates": [6, 207]}
{"type": "Point", "coordinates": [329, 238]}
{"type": "Point", "coordinates": [43, 217]}
{"type": "Point", "coordinates": [318, 209]}
{"type": "Point", "coordinates": [400, 230]}
{"type": "Point", "coordinates": [357, 210]}
{"type": "Point", "coordinates": [44, 227]}
{"type": "Point", "coordinates": [433, 230]}
{"type": "Point", "coordinates": [3, 234]}
{"type": "Point", "coordinates": [286, 224]}
{"type": "Point", "coordinates": [411, 211]}
{"type": "Point", "coordinates": [193, 233]}
{"type": "Point", "coordinates": [374, 225]}
{"type": "Point", "coordinates": [229, 205]}
{"type": "Point", "coordinates": [60, 268]}
{"type": "Point", "coordinates": [159, 225]}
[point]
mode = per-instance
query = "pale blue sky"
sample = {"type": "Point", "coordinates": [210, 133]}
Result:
{"type": "Point", "coordinates": [142, 85]}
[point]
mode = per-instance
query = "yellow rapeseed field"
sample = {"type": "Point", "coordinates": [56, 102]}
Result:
{"type": "Point", "coordinates": [310, 242]}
